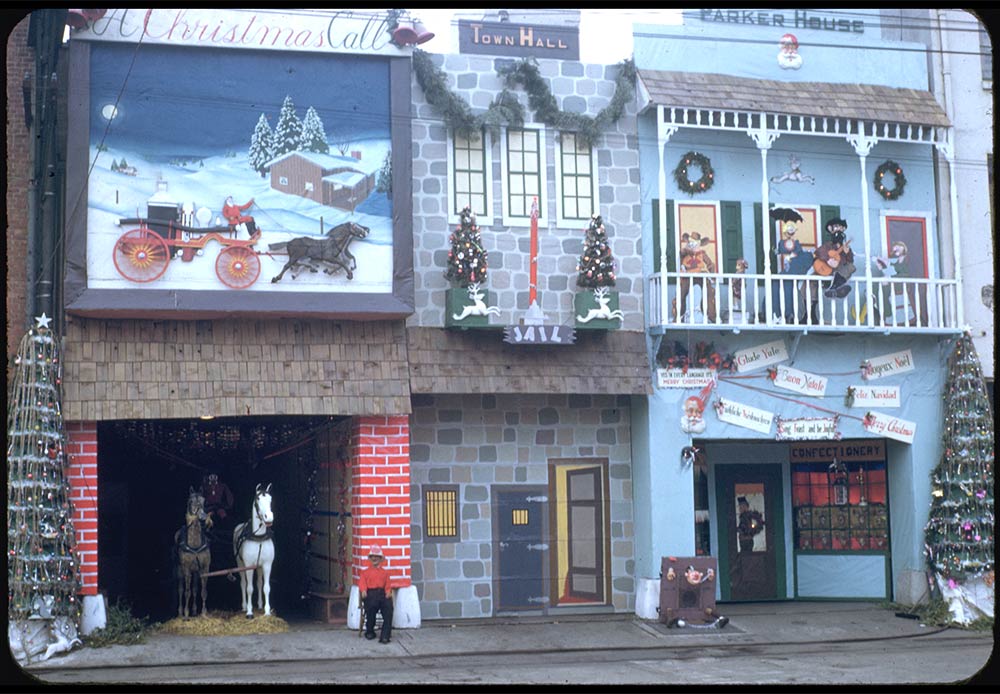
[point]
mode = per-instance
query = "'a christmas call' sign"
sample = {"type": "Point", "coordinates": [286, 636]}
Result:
{"type": "Point", "coordinates": [679, 378]}
{"type": "Point", "coordinates": [760, 356]}
{"type": "Point", "coordinates": [510, 38]}
{"type": "Point", "coordinates": [875, 396]}
{"type": "Point", "coordinates": [889, 426]}
{"type": "Point", "coordinates": [888, 365]}
{"type": "Point", "coordinates": [539, 335]}
{"type": "Point", "coordinates": [807, 428]}
{"type": "Point", "coordinates": [800, 381]}
{"type": "Point", "coordinates": [745, 416]}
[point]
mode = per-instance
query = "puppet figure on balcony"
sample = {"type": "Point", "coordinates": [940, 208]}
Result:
{"type": "Point", "coordinates": [792, 260]}
{"type": "Point", "coordinates": [694, 259]}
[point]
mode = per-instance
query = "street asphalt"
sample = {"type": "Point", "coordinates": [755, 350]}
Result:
{"type": "Point", "coordinates": [792, 623]}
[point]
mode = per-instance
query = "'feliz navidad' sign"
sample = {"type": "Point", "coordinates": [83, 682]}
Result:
{"type": "Point", "coordinates": [874, 396]}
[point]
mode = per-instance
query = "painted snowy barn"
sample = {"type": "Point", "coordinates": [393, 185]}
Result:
{"type": "Point", "coordinates": [337, 181]}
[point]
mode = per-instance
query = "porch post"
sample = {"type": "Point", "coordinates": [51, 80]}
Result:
{"type": "Point", "coordinates": [663, 134]}
{"type": "Point", "coordinates": [764, 139]}
{"type": "Point", "coordinates": [947, 148]}
{"type": "Point", "coordinates": [862, 146]}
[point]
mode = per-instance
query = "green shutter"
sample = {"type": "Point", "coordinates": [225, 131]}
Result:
{"type": "Point", "coordinates": [732, 234]}
{"type": "Point", "coordinates": [671, 263]}
{"type": "Point", "coordinates": [826, 213]}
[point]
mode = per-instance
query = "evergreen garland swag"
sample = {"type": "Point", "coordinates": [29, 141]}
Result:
{"type": "Point", "coordinates": [889, 167]}
{"type": "Point", "coordinates": [707, 173]}
{"type": "Point", "coordinates": [505, 108]}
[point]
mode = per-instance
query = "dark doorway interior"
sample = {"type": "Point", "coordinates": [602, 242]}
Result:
{"type": "Point", "coordinates": [145, 469]}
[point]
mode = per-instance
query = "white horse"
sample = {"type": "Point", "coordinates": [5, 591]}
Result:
{"type": "Point", "coordinates": [253, 545]}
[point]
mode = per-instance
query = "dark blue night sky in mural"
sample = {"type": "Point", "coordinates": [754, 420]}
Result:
{"type": "Point", "coordinates": [201, 101]}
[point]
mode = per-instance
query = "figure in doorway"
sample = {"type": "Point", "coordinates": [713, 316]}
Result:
{"type": "Point", "coordinates": [694, 259]}
{"type": "Point", "coordinates": [897, 265]}
{"type": "Point", "coordinates": [234, 216]}
{"type": "Point", "coordinates": [750, 524]}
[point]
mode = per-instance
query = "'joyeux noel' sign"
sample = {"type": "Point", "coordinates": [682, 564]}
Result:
{"type": "Point", "coordinates": [679, 378]}
{"type": "Point", "coordinates": [887, 365]}
{"type": "Point", "coordinates": [889, 426]}
{"type": "Point", "coordinates": [745, 416]}
{"type": "Point", "coordinates": [807, 428]}
{"type": "Point", "coordinates": [800, 381]}
{"type": "Point", "coordinates": [760, 356]}
{"type": "Point", "coordinates": [875, 396]}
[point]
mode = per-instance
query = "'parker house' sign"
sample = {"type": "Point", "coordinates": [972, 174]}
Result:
{"type": "Point", "coordinates": [521, 40]}
{"type": "Point", "coordinates": [796, 19]}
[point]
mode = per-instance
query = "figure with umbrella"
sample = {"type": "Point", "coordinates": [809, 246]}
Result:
{"type": "Point", "coordinates": [792, 260]}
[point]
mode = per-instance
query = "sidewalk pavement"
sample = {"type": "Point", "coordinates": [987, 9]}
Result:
{"type": "Point", "coordinates": [750, 623]}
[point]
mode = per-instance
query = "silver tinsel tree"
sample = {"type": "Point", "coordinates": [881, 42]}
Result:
{"type": "Point", "coordinates": [43, 581]}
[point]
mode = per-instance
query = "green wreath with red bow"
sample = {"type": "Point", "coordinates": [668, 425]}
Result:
{"type": "Point", "coordinates": [707, 174]}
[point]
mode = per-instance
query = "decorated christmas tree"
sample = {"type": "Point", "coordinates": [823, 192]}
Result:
{"type": "Point", "coordinates": [42, 577]}
{"type": "Point", "coordinates": [597, 265]}
{"type": "Point", "coordinates": [467, 257]}
{"type": "Point", "coordinates": [959, 532]}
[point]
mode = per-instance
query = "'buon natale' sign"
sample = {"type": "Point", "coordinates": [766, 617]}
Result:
{"type": "Point", "coordinates": [800, 381]}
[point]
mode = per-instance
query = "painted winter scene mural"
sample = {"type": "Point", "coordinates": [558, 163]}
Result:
{"type": "Point", "coordinates": [238, 170]}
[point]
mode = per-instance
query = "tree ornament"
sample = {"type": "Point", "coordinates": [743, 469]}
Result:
{"type": "Point", "coordinates": [595, 265]}
{"type": "Point", "coordinates": [707, 173]}
{"type": "Point", "coordinates": [896, 171]}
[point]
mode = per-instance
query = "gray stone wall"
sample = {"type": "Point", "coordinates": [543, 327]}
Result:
{"type": "Point", "coordinates": [476, 441]}
{"type": "Point", "coordinates": [578, 88]}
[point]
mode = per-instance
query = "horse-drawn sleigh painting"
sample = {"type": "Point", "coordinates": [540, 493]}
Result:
{"type": "Point", "coordinates": [143, 254]}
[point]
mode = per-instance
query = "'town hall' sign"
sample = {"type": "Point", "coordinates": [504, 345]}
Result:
{"type": "Point", "coordinates": [521, 40]}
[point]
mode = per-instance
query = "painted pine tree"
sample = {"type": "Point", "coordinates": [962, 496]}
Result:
{"type": "Point", "coordinates": [261, 146]}
{"type": "Point", "coordinates": [313, 134]}
{"type": "Point", "coordinates": [958, 536]}
{"type": "Point", "coordinates": [597, 266]}
{"type": "Point", "coordinates": [288, 131]}
{"type": "Point", "coordinates": [467, 257]}
{"type": "Point", "coordinates": [42, 575]}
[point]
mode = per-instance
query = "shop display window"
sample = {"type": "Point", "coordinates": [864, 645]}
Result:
{"type": "Point", "coordinates": [841, 507]}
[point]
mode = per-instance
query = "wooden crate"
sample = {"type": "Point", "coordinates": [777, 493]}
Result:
{"type": "Point", "coordinates": [328, 607]}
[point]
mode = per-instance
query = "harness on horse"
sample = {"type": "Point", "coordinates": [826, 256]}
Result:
{"type": "Point", "coordinates": [183, 546]}
{"type": "Point", "coordinates": [247, 532]}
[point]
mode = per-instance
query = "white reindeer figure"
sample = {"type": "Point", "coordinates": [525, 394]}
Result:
{"type": "Point", "coordinates": [603, 311]}
{"type": "Point", "coordinates": [479, 308]}
{"type": "Point", "coordinates": [794, 173]}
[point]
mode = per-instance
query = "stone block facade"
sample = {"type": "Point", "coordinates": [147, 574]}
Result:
{"type": "Point", "coordinates": [578, 88]}
{"type": "Point", "coordinates": [474, 442]}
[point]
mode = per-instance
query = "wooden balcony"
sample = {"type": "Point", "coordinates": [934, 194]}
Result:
{"type": "Point", "coordinates": [897, 305]}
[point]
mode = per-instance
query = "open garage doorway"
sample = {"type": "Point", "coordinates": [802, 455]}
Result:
{"type": "Point", "coordinates": [145, 471]}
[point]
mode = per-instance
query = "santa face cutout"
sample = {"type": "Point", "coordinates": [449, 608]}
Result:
{"type": "Point", "coordinates": [693, 421]}
{"type": "Point", "coordinates": [789, 58]}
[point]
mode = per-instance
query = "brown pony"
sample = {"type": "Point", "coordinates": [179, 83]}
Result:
{"type": "Point", "coordinates": [193, 555]}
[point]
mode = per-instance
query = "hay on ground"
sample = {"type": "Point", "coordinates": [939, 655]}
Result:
{"type": "Point", "coordinates": [219, 623]}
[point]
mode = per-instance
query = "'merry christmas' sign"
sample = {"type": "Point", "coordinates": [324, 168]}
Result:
{"type": "Point", "coordinates": [679, 378]}
{"type": "Point", "coordinates": [887, 365]}
{"type": "Point", "coordinates": [889, 426]}
{"type": "Point", "coordinates": [745, 416]}
{"type": "Point", "coordinates": [760, 356]}
{"type": "Point", "coordinates": [800, 381]}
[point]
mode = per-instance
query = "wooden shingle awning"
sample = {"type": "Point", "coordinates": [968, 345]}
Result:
{"type": "Point", "coordinates": [864, 102]}
{"type": "Point", "coordinates": [479, 361]}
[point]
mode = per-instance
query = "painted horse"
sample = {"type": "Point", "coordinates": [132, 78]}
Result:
{"type": "Point", "coordinates": [253, 545]}
{"type": "Point", "coordinates": [331, 251]}
{"type": "Point", "coordinates": [193, 555]}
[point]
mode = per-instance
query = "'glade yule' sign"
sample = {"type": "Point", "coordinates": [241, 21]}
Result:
{"type": "Point", "coordinates": [510, 38]}
{"type": "Point", "coordinates": [760, 356]}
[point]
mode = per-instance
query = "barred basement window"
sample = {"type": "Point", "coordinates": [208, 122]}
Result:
{"type": "Point", "coordinates": [441, 513]}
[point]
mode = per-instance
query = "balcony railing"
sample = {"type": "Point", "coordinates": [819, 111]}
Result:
{"type": "Point", "coordinates": [898, 305]}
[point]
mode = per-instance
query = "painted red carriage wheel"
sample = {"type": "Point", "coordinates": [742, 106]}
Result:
{"type": "Point", "coordinates": [237, 267]}
{"type": "Point", "coordinates": [141, 255]}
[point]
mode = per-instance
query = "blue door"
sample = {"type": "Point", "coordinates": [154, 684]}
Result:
{"type": "Point", "coordinates": [520, 551]}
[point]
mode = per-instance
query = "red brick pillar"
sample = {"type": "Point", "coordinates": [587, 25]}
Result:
{"type": "Point", "coordinates": [380, 493]}
{"type": "Point", "coordinates": [81, 440]}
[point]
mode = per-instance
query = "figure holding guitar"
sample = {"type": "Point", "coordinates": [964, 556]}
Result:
{"type": "Point", "coordinates": [835, 258]}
